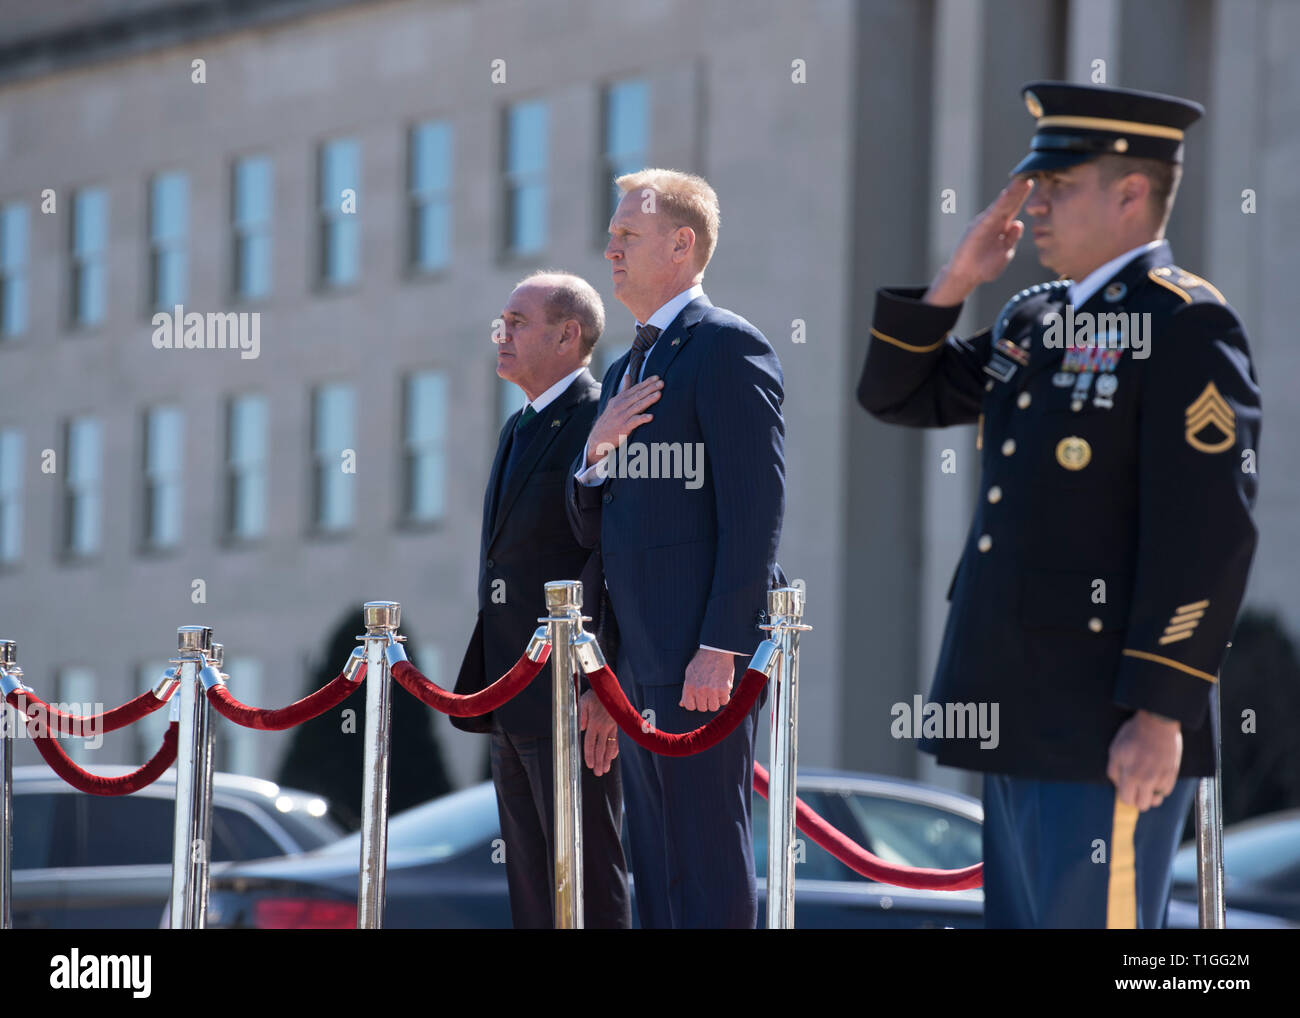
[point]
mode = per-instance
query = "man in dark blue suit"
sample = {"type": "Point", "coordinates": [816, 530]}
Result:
{"type": "Point", "coordinates": [549, 327]}
{"type": "Point", "coordinates": [687, 514]}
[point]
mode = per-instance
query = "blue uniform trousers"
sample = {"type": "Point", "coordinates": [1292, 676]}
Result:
{"type": "Point", "coordinates": [1069, 854]}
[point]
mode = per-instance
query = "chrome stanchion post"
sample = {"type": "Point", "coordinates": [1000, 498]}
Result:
{"type": "Point", "coordinates": [785, 608]}
{"type": "Point", "coordinates": [383, 648]}
{"type": "Point", "coordinates": [9, 681]}
{"type": "Point", "coordinates": [564, 605]}
{"type": "Point", "coordinates": [205, 739]}
{"type": "Point", "coordinates": [1210, 906]}
{"type": "Point", "coordinates": [189, 856]}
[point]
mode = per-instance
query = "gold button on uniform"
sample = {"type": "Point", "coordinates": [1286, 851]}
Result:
{"type": "Point", "coordinates": [1008, 447]}
{"type": "Point", "coordinates": [985, 543]}
{"type": "Point", "coordinates": [1094, 624]}
{"type": "Point", "coordinates": [995, 494]}
{"type": "Point", "coordinates": [1022, 400]}
{"type": "Point", "coordinates": [988, 386]}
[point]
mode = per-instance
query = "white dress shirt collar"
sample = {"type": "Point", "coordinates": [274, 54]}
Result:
{"type": "Point", "coordinates": [663, 318]}
{"type": "Point", "coordinates": [1081, 293]}
{"type": "Point", "coordinates": [555, 391]}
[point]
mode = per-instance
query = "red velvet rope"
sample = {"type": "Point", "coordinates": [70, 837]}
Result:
{"type": "Point", "coordinates": [859, 860]}
{"type": "Point", "coordinates": [468, 705]}
{"type": "Point", "coordinates": [75, 724]}
{"type": "Point", "coordinates": [610, 693]}
{"type": "Point", "coordinates": [84, 781]}
{"type": "Point", "coordinates": [313, 706]}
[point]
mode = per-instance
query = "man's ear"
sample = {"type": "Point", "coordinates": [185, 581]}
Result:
{"type": "Point", "coordinates": [1135, 191]}
{"type": "Point", "coordinates": [571, 334]}
{"type": "Point", "coordinates": [683, 243]}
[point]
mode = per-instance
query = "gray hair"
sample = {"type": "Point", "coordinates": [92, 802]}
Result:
{"type": "Point", "coordinates": [568, 296]}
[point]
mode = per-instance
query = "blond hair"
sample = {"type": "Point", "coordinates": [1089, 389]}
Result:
{"type": "Point", "coordinates": [684, 200]}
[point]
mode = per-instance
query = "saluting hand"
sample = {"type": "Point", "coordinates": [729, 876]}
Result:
{"type": "Point", "coordinates": [985, 249]}
{"type": "Point", "coordinates": [622, 415]}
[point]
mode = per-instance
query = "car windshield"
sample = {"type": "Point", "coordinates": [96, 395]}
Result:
{"type": "Point", "coordinates": [438, 829]}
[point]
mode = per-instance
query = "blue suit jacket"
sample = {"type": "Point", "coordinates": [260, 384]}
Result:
{"type": "Point", "coordinates": [689, 560]}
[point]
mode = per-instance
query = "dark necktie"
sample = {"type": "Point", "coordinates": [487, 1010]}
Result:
{"type": "Point", "coordinates": [528, 414]}
{"type": "Point", "coordinates": [645, 339]}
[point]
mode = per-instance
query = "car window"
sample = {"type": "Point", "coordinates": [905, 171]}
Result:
{"type": "Point", "coordinates": [44, 830]}
{"type": "Point", "coordinates": [916, 833]}
{"type": "Point", "coordinates": [815, 863]}
{"type": "Point", "coordinates": [1263, 854]}
{"type": "Point", "coordinates": [441, 828]}
{"type": "Point", "coordinates": [236, 835]}
{"type": "Point", "coordinates": [127, 830]}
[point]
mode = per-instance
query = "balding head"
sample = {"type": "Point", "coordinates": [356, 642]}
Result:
{"type": "Point", "coordinates": [567, 297]}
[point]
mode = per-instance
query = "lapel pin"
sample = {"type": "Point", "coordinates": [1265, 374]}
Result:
{"type": "Point", "coordinates": [555, 423]}
{"type": "Point", "coordinates": [1115, 292]}
{"type": "Point", "coordinates": [675, 341]}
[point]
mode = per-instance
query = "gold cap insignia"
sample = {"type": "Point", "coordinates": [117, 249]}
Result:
{"type": "Point", "coordinates": [1033, 105]}
{"type": "Point", "coordinates": [1073, 453]}
{"type": "Point", "coordinates": [1210, 409]}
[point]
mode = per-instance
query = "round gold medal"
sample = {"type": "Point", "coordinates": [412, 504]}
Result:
{"type": "Point", "coordinates": [1073, 452]}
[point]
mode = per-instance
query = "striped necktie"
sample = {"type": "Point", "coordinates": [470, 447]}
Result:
{"type": "Point", "coordinates": [646, 335]}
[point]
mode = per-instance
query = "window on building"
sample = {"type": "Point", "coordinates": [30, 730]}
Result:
{"type": "Point", "coordinates": [89, 264]}
{"type": "Point", "coordinates": [425, 446]}
{"type": "Point", "coordinates": [333, 420]}
{"type": "Point", "coordinates": [246, 472]}
{"type": "Point", "coordinates": [75, 694]}
{"type": "Point", "coordinates": [163, 480]}
{"type": "Point", "coordinates": [169, 202]}
{"type": "Point", "coordinates": [251, 225]}
{"type": "Point", "coordinates": [13, 269]}
{"type": "Point", "coordinates": [238, 750]}
{"type": "Point", "coordinates": [81, 491]}
{"type": "Point", "coordinates": [147, 733]}
{"type": "Point", "coordinates": [626, 140]}
{"type": "Point", "coordinates": [525, 178]}
{"type": "Point", "coordinates": [11, 495]}
{"type": "Point", "coordinates": [340, 230]}
{"type": "Point", "coordinates": [430, 196]}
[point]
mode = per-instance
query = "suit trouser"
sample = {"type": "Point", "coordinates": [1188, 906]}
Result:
{"type": "Point", "coordinates": [522, 768]}
{"type": "Point", "coordinates": [689, 818]}
{"type": "Point", "coordinates": [1070, 854]}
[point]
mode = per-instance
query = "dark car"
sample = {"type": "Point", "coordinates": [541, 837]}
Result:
{"type": "Point", "coordinates": [104, 862]}
{"type": "Point", "coordinates": [1261, 866]}
{"type": "Point", "coordinates": [445, 866]}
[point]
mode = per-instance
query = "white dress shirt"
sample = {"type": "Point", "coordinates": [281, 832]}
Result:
{"type": "Point", "coordinates": [1080, 293]}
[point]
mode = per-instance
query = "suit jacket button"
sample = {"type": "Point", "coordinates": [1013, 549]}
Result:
{"type": "Point", "coordinates": [1094, 624]}
{"type": "Point", "coordinates": [607, 498]}
{"type": "Point", "coordinates": [489, 563]}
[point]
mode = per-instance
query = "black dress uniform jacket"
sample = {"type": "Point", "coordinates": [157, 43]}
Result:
{"type": "Point", "coordinates": [1112, 537]}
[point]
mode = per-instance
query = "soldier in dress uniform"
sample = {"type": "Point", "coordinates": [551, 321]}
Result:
{"type": "Point", "coordinates": [1118, 425]}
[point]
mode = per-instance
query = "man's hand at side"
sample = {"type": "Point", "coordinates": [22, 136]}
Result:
{"type": "Point", "coordinates": [708, 680]}
{"type": "Point", "coordinates": [600, 745]}
{"type": "Point", "coordinates": [1144, 759]}
{"type": "Point", "coordinates": [622, 415]}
